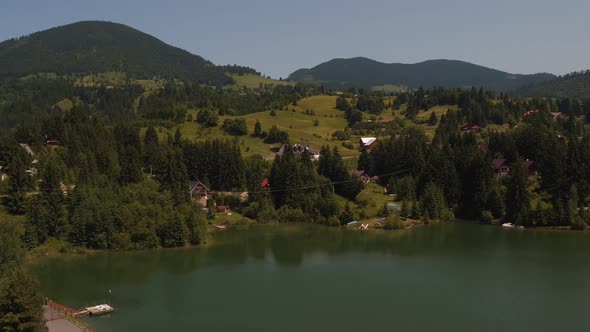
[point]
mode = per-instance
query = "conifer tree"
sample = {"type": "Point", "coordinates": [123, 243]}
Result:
{"type": "Point", "coordinates": [257, 129]}
{"type": "Point", "coordinates": [19, 183]}
{"type": "Point", "coordinates": [365, 162]}
{"type": "Point", "coordinates": [432, 121]}
{"type": "Point", "coordinates": [517, 195]}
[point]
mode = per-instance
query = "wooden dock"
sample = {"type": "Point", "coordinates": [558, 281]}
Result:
{"type": "Point", "coordinates": [101, 309]}
{"type": "Point", "coordinates": [63, 309]}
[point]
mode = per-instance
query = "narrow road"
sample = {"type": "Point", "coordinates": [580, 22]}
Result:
{"type": "Point", "coordinates": [56, 322]}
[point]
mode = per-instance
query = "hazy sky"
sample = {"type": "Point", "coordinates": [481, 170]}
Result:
{"type": "Point", "coordinates": [277, 37]}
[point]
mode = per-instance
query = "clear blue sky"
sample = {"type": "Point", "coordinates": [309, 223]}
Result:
{"type": "Point", "coordinates": [277, 37]}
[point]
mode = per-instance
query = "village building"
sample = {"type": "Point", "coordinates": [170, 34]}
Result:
{"type": "Point", "coordinates": [298, 149]}
{"type": "Point", "coordinates": [66, 189]}
{"type": "Point", "coordinates": [469, 127]}
{"type": "Point", "coordinates": [368, 142]}
{"type": "Point", "coordinates": [559, 116]}
{"type": "Point", "coordinates": [361, 175]}
{"type": "Point", "coordinates": [502, 167]}
{"type": "Point", "coordinates": [384, 120]}
{"type": "Point", "coordinates": [28, 149]}
{"type": "Point", "coordinates": [530, 112]}
{"type": "Point", "coordinates": [530, 167]}
{"type": "Point", "coordinates": [52, 142]}
{"type": "Point", "coordinates": [199, 193]}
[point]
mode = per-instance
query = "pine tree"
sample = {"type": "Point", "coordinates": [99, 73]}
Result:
{"type": "Point", "coordinates": [197, 229]}
{"type": "Point", "coordinates": [36, 229]}
{"type": "Point", "coordinates": [175, 177]}
{"type": "Point", "coordinates": [575, 219]}
{"type": "Point", "coordinates": [20, 303]}
{"type": "Point", "coordinates": [257, 129]}
{"type": "Point", "coordinates": [52, 199]}
{"type": "Point", "coordinates": [432, 121]}
{"type": "Point", "coordinates": [365, 162]}
{"type": "Point", "coordinates": [19, 183]}
{"type": "Point", "coordinates": [517, 195]}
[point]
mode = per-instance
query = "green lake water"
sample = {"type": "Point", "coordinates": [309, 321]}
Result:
{"type": "Point", "coordinates": [455, 277]}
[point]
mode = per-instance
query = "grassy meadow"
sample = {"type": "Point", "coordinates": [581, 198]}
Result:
{"type": "Point", "coordinates": [251, 81]}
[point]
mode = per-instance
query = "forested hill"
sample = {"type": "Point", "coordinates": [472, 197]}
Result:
{"type": "Point", "coordinates": [574, 85]}
{"type": "Point", "coordinates": [95, 46]}
{"type": "Point", "coordinates": [366, 73]}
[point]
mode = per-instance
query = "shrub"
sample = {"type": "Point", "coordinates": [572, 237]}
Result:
{"type": "Point", "coordinates": [393, 221]}
{"type": "Point", "coordinates": [287, 214]}
{"type": "Point", "coordinates": [236, 127]}
{"type": "Point", "coordinates": [486, 217]}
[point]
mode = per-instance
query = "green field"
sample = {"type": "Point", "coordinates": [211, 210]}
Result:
{"type": "Point", "coordinates": [299, 125]}
{"type": "Point", "coordinates": [251, 81]}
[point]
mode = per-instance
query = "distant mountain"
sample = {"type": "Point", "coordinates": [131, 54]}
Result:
{"type": "Point", "coordinates": [366, 73]}
{"type": "Point", "coordinates": [574, 85]}
{"type": "Point", "coordinates": [95, 46]}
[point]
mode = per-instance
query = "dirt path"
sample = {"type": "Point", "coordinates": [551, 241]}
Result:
{"type": "Point", "coordinates": [56, 322]}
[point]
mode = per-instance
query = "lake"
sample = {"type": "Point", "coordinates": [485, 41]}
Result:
{"type": "Point", "coordinates": [453, 277]}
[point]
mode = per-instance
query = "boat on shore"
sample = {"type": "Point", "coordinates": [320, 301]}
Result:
{"type": "Point", "coordinates": [97, 310]}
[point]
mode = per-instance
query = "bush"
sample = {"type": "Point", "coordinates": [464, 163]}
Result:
{"type": "Point", "coordinates": [236, 127]}
{"type": "Point", "coordinates": [341, 135]}
{"type": "Point", "coordinates": [287, 214]}
{"type": "Point", "coordinates": [332, 221]}
{"type": "Point", "coordinates": [348, 145]}
{"type": "Point", "coordinates": [486, 217]}
{"type": "Point", "coordinates": [393, 221]}
{"type": "Point", "coordinates": [277, 136]}
{"type": "Point", "coordinates": [447, 215]}
{"type": "Point", "coordinates": [267, 215]}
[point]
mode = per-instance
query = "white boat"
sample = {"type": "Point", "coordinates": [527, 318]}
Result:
{"type": "Point", "coordinates": [508, 225]}
{"type": "Point", "coordinates": [101, 309]}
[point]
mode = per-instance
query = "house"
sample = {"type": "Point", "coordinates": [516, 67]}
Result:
{"type": "Point", "coordinates": [52, 142]}
{"type": "Point", "coordinates": [530, 112]}
{"type": "Point", "coordinates": [27, 149]}
{"type": "Point", "coordinates": [530, 167]}
{"type": "Point", "coordinates": [559, 116]}
{"type": "Point", "coordinates": [199, 192]}
{"type": "Point", "coordinates": [298, 149]}
{"type": "Point", "coordinates": [66, 189]}
{"type": "Point", "coordinates": [501, 167]}
{"type": "Point", "coordinates": [368, 142]}
{"type": "Point", "coordinates": [384, 120]}
{"type": "Point", "coordinates": [221, 209]}
{"type": "Point", "coordinates": [361, 176]}
{"type": "Point", "coordinates": [469, 127]}
{"type": "Point", "coordinates": [3, 175]}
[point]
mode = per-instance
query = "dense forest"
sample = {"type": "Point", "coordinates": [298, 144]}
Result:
{"type": "Point", "coordinates": [573, 85]}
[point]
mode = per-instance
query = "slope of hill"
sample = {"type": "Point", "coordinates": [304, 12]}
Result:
{"type": "Point", "coordinates": [574, 85]}
{"type": "Point", "coordinates": [94, 46]}
{"type": "Point", "coordinates": [366, 73]}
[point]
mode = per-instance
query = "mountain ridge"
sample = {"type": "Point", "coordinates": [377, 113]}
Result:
{"type": "Point", "coordinates": [100, 46]}
{"type": "Point", "coordinates": [362, 72]}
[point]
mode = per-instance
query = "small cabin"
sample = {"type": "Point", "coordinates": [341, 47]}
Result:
{"type": "Point", "coordinates": [368, 142]}
{"type": "Point", "coordinates": [469, 127]}
{"type": "Point", "coordinates": [501, 167]}
{"type": "Point", "coordinates": [199, 192]}
{"type": "Point", "coordinates": [298, 150]}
